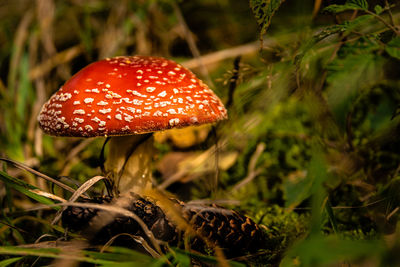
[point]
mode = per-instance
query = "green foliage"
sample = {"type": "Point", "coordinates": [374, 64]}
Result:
{"type": "Point", "coordinates": [263, 11]}
{"type": "Point", "coordinates": [113, 257]}
{"type": "Point", "coordinates": [344, 29]}
{"type": "Point", "coordinates": [283, 228]}
{"type": "Point", "coordinates": [378, 9]}
{"type": "Point", "coordinates": [313, 125]}
{"type": "Point", "coordinates": [10, 261]}
{"type": "Point", "coordinates": [342, 89]}
{"type": "Point", "coordinates": [393, 47]}
{"type": "Point", "coordinates": [184, 258]}
{"type": "Point", "coordinates": [318, 250]}
{"type": "Point", "coordinates": [349, 5]}
{"type": "Point", "coordinates": [24, 188]}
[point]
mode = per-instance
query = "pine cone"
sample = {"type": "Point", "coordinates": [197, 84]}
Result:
{"type": "Point", "coordinates": [236, 234]}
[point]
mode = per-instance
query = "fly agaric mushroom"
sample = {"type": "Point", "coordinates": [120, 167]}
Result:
{"type": "Point", "coordinates": [129, 98]}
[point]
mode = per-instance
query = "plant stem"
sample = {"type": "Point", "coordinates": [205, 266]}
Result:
{"type": "Point", "coordinates": [383, 21]}
{"type": "Point", "coordinates": [128, 163]}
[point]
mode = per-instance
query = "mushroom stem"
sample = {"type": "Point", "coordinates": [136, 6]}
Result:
{"type": "Point", "coordinates": [129, 162]}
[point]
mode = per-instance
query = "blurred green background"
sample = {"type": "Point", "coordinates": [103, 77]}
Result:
{"type": "Point", "coordinates": [311, 149]}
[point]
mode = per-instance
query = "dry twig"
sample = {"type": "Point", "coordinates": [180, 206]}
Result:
{"type": "Point", "coordinates": [252, 171]}
{"type": "Point", "coordinates": [39, 174]}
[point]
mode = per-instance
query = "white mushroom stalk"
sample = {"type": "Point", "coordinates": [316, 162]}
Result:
{"type": "Point", "coordinates": [129, 163]}
{"type": "Point", "coordinates": [127, 97]}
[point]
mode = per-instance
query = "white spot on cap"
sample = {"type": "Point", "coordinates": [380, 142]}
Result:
{"type": "Point", "coordinates": [157, 113]}
{"type": "Point", "coordinates": [171, 111]}
{"type": "Point", "coordinates": [108, 86]}
{"type": "Point", "coordinates": [128, 118]}
{"type": "Point", "coordinates": [173, 122]}
{"type": "Point", "coordinates": [105, 110]}
{"type": "Point", "coordinates": [150, 89]}
{"type": "Point", "coordinates": [79, 111]}
{"type": "Point", "coordinates": [102, 103]}
{"type": "Point", "coordinates": [77, 102]}
{"type": "Point", "coordinates": [137, 102]}
{"type": "Point", "coordinates": [136, 93]}
{"type": "Point", "coordinates": [162, 94]}
{"type": "Point", "coordinates": [171, 73]}
{"type": "Point", "coordinates": [118, 117]}
{"type": "Point", "coordinates": [115, 95]}
{"type": "Point", "coordinates": [95, 119]}
{"type": "Point", "coordinates": [88, 128]}
{"type": "Point", "coordinates": [64, 97]}
{"type": "Point", "coordinates": [88, 100]}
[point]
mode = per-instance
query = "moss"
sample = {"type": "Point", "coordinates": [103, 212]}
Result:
{"type": "Point", "coordinates": [282, 228]}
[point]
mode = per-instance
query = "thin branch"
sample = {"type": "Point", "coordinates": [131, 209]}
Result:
{"type": "Point", "coordinates": [138, 239]}
{"type": "Point", "coordinates": [232, 52]}
{"type": "Point", "coordinates": [118, 207]}
{"type": "Point", "coordinates": [252, 171]}
{"type": "Point", "coordinates": [392, 213]}
{"type": "Point", "coordinates": [387, 6]}
{"type": "Point", "coordinates": [59, 58]}
{"type": "Point", "coordinates": [233, 81]}
{"type": "Point", "coordinates": [82, 189]}
{"type": "Point", "coordinates": [73, 153]}
{"type": "Point", "coordinates": [109, 208]}
{"type": "Point", "coordinates": [196, 163]}
{"type": "Point", "coordinates": [383, 21]}
{"type": "Point", "coordinates": [191, 42]}
{"type": "Point", "coordinates": [39, 174]}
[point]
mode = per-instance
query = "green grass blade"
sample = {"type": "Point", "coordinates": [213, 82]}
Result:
{"type": "Point", "coordinates": [7, 262]}
{"type": "Point", "coordinates": [50, 253]}
{"type": "Point", "coordinates": [25, 189]}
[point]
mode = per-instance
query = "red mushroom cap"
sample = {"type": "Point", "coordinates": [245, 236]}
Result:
{"type": "Point", "coordinates": [129, 95]}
